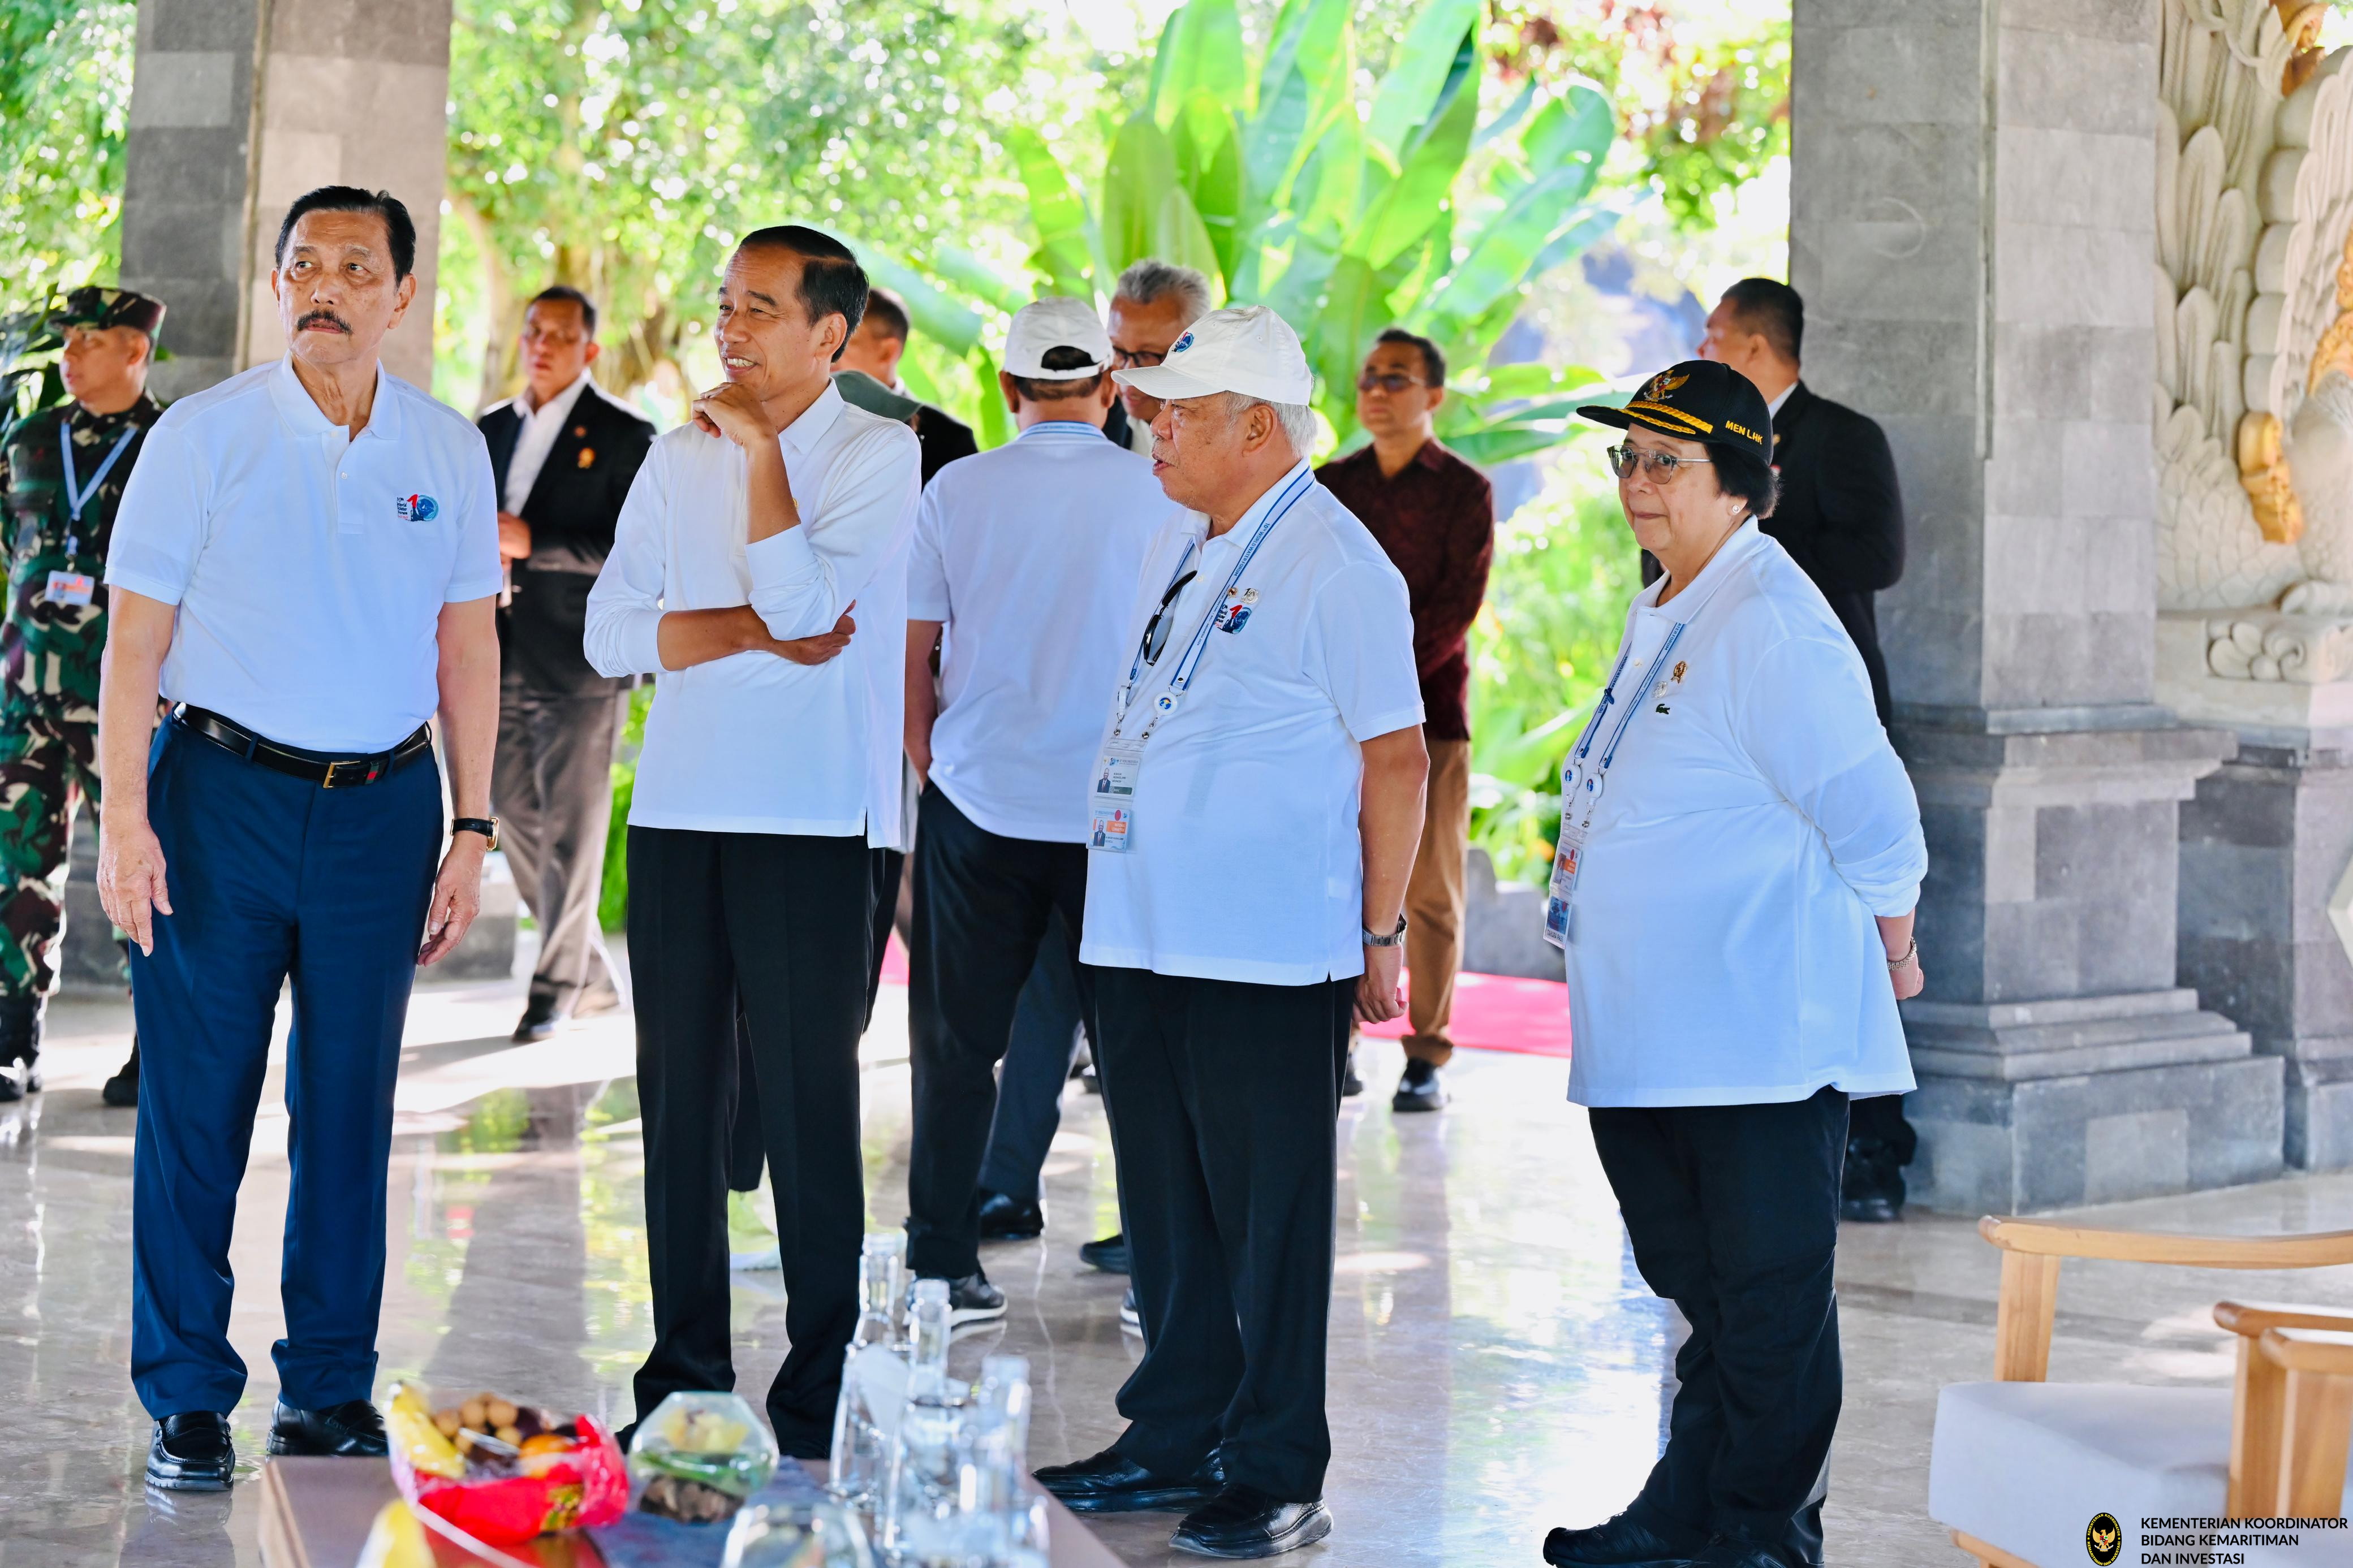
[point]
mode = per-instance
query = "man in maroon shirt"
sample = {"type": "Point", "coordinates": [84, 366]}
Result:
{"type": "Point", "coordinates": [1435, 515]}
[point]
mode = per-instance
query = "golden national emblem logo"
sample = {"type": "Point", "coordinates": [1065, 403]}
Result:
{"type": "Point", "coordinates": [1660, 385]}
{"type": "Point", "coordinates": [2103, 1539]}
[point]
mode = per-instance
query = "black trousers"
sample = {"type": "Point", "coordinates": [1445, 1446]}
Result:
{"type": "Point", "coordinates": [782, 918]}
{"type": "Point", "coordinates": [1223, 1097]}
{"type": "Point", "coordinates": [1733, 1212]}
{"type": "Point", "coordinates": [1049, 1027]}
{"type": "Point", "coordinates": [982, 903]}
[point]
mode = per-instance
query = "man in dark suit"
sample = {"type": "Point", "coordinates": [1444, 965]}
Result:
{"type": "Point", "coordinates": [1840, 518]}
{"type": "Point", "coordinates": [565, 454]}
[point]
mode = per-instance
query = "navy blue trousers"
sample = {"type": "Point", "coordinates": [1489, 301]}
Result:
{"type": "Point", "coordinates": [271, 878]}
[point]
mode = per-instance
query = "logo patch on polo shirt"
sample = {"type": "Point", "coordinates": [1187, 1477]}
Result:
{"type": "Point", "coordinates": [1233, 618]}
{"type": "Point", "coordinates": [417, 508]}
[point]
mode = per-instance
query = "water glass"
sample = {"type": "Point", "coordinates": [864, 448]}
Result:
{"type": "Point", "coordinates": [796, 1536]}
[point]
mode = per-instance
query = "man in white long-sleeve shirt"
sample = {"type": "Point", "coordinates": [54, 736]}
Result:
{"type": "Point", "coordinates": [769, 784]}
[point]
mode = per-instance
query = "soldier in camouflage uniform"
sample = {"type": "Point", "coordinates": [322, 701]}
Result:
{"type": "Point", "coordinates": [62, 473]}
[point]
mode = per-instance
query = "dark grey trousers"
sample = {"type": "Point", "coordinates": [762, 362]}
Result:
{"type": "Point", "coordinates": [552, 786]}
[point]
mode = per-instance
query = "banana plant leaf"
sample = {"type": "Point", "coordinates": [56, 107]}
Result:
{"type": "Point", "coordinates": [1066, 238]}
{"type": "Point", "coordinates": [1208, 149]}
{"type": "Point", "coordinates": [1303, 89]}
{"type": "Point", "coordinates": [1433, 156]}
{"type": "Point", "coordinates": [933, 313]}
{"type": "Point", "coordinates": [1428, 68]}
{"type": "Point", "coordinates": [1200, 52]}
{"type": "Point", "coordinates": [984, 280]}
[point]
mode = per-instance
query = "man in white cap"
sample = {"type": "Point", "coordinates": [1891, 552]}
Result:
{"type": "Point", "coordinates": [1254, 806]}
{"type": "Point", "coordinates": [1026, 558]}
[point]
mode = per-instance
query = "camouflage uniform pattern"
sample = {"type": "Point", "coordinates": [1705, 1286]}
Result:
{"type": "Point", "coordinates": [48, 670]}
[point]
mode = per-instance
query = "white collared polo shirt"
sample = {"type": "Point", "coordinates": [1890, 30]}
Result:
{"type": "Point", "coordinates": [1028, 557]}
{"type": "Point", "coordinates": [309, 569]}
{"type": "Point", "coordinates": [1247, 861]}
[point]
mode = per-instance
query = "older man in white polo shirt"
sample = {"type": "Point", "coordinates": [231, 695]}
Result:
{"type": "Point", "coordinates": [1254, 808]}
{"type": "Point", "coordinates": [305, 565]}
{"type": "Point", "coordinates": [1026, 557]}
{"type": "Point", "coordinates": [770, 780]}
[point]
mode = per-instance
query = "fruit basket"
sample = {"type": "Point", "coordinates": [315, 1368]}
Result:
{"type": "Point", "coordinates": [500, 1471]}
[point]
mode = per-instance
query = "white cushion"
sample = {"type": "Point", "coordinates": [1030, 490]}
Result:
{"type": "Point", "coordinates": [2024, 1467]}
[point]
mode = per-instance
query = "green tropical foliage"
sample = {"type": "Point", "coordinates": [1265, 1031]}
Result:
{"type": "Point", "coordinates": [65, 104]}
{"type": "Point", "coordinates": [1431, 203]}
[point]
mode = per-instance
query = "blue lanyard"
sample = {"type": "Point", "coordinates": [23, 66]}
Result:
{"type": "Point", "coordinates": [1609, 696]}
{"type": "Point", "coordinates": [1186, 666]}
{"type": "Point", "coordinates": [77, 494]}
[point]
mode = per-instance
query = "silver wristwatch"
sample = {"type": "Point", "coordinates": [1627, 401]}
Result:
{"type": "Point", "coordinates": [1392, 940]}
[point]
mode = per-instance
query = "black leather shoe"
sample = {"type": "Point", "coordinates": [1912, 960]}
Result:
{"type": "Point", "coordinates": [191, 1453]}
{"type": "Point", "coordinates": [1350, 1085]}
{"type": "Point", "coordinates": [1243, 1521]}
{"type": "Point", "coordinates": [1111, 1482]}
{"type": "Point", "coordinates": [541, 1018]}
{"type": "Point", "coordinates": [1109, 1254]}
{"type": "Point", "coordinates": [1623, 1542]}
{"type": "Point", "coordinates": [20, 1045]}
{"type": "Point", "coordinates": [350, 1429]}
{"type": "Point", "coordinates": [1871, 1186]}
{"type": "Point", "coordinates": [1418, 1089]}
{"type": "Point", "coordinates": [1006, 1218]}
{"type": "Point", "coordinates": [123, 1088]}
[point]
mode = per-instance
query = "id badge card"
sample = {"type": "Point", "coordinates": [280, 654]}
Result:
{"type": "Point", "coordinates": [1111, 801]}
{"type": "Point", "coordinates": [69, 588]}
{"type": "Point", "coordinates": [1566, 861]}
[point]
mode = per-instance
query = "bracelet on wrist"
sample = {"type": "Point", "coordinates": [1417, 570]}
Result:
{"type": "Point", "coordinates": [1911, 950]}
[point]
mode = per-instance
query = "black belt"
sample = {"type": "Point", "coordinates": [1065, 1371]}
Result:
{"type": "Point", "coordinates": [317, 767]}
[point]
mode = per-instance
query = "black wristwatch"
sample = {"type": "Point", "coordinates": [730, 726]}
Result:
{"type": "Point", "coordinates": [1394, 939]}
{"type": "Point", "coordinates": [487, 826]}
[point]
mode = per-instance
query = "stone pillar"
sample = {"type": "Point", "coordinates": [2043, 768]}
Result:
{"type": "Point", "coordinates": [1972, 219]}
{"type": "Point", "coordinates": [239, 106]}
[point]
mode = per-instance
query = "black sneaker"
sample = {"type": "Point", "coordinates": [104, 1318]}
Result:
{"type": "Point", "coordinates": [1108, 1253]}
{"type": "Point", "coordinates": [123, 1090]}
{"type": "Point", "coordinates": [1418, 1089]}
{"type": "Point", "coordinates": [352, 1429]}
{"type": "Point", "coordinates": [1004, 1217]}
{"type": "Point", "coordinates": [971, 1299]}
{"type": "Point", "coordinates": [1129, 1318]}
{"type": "Point", "coordinates": [191, 1453]}
{"type": "Point", "coordinates": [1350, 1085]}
{"type": "Point", "coordinates": [20, 1044]}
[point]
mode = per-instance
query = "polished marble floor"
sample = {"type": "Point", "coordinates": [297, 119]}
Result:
{"type": "Point", "coordinates": [1496, 1366]}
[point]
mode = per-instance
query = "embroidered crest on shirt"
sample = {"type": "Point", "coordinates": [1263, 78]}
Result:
{"type": "Point", "coordinates": [417, 508]}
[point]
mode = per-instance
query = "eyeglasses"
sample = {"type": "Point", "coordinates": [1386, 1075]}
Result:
{"type": "Point", "coordinates": [1659, 467]}
{"type": "Point", "coordinates": [1391, 382]}
{"type": "Point", "coordinates": [1130, 359]}
{"type": "Point", "coordinates": [1157, 630]}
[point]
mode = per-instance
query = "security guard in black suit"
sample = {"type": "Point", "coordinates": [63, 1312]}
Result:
{"type": "Point", "coordinates": [565, 456]}
{"type": "Point", "coordinates": [1840, 518]}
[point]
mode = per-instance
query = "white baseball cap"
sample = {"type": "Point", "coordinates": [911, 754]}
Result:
{"type": "Point", "coordinates": [1057, 322]}
{"type": "Point", "coordinates": [1243, 348]}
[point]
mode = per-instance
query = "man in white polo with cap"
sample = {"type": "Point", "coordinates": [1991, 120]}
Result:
{"type": "Point", "coordinates": [1023, 564]}
{"type": "Point", "coordinates": [1253, 809]}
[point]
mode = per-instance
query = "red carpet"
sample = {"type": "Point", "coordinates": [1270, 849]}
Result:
{"type": "Point", "coordinates": [1491, 1012]}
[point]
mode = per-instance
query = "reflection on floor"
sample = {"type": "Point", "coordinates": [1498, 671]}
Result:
{"type": "Point", "coordinates": [1496, 1366]}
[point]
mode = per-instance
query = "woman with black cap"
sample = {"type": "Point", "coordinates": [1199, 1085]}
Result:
{"type": "Point", "coordinates": [1739, 856]}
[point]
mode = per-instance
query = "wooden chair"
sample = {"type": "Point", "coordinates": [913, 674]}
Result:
{"type": "Point", "coordinates": [2276, 1447]}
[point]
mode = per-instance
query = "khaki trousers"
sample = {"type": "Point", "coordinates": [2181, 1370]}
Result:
{"type": "Point", "coordinates": [1433, 903]}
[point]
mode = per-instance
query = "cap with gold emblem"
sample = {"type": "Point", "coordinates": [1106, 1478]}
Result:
{"type": "Point", "coordinates": [1699, 400]}
{"type": "Point", "coordinates": [93, 306]}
